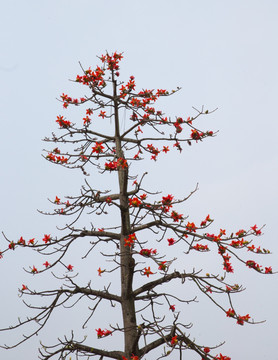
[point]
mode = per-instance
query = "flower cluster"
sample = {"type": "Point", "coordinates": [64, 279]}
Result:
{"type": "Point", "coordinates": [226, 264]}
{"type": "Point", "coordinates": [177, 125]}
{"type": "Point", "coordinates": [57, 159]}
{"type": "Point", "coordinates": [133, 357]}
{"type": "Point", "coordinates": [253, 265]}
{"type": "Point", "coordinates": [135, 202]}
{"type": "Point", "coordinates": [239, 243]}
{"type": "Point", "coordinates": [167, 202]}
{"type": "Point", "coordinates": [68, 100]}
{"type": "Point", "coordinates": [240, 319]}
{"type": "Point", "coordinates": [116, 165]}
{"type": "Point", "coordinates": [200, 247]}
{"type": "Point", "coordinates": [64, 124]}
{"type": "Point", "coordinates": [102, 333]}
{"type": "Point", "coordinates": [125, 89]}
{"type": "Point", "coordinates": [196, 135]}
{"type": "Point", "coordinates": [112, 60]}
{"type": "Point", "coordinates": [176, 216]}
{"type": "Point", "coordinates": [153, 151]}
{"type": "Point", "coordinates": [148, 252]}
{"type": "Point", "coordinates": [204, 222]}
{"type": "Point", "coordinates": [162, 265]}
{"type": "Point", "coordinates": [255, 230]}
{"type": "Point", "coordinates": [93, 78]}
{"type": "Point", "coordinates": [129, 241]}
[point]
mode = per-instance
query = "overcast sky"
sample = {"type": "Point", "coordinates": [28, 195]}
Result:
{"type": "Point", "coordinates": [223, 54]}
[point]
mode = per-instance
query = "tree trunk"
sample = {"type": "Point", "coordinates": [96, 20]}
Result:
{"type": "Point", "coordinates": [127, 261]}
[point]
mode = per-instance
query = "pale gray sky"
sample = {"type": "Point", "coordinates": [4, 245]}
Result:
{"type": "Point", "coordinates": [223, 54]}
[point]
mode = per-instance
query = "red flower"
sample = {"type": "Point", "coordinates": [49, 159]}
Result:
{"type": "Point", "coordinates": [143, 196]}
{"type": "Point", "coordinates": [195, 135]}
{"type": "Point", "coordinates": [24, 287]}
{"type": "Point", "coordinates": [191, 227]}
{"type": "Point", "coordinates": [174, 340]}
{"type": "Point", "coordinates": [107, 332]}
{"type": "Point", "coordinates": [57, 200]}
{"type": "Point", "coordinates": [100, 271]}
{"type": "Point", "coordinates": [86, 120]}
{"type": "Point", "coordinates": [31, 241]}
{"type": "Point", "coordinates": [70, 267]}
{"type": "Point", "coordinates": [34, 270]}
{"type": "Point", "coordinates": [12, 245]}
{"type": "Point", "coordinates": [230, 313]}
{"type": "Point", "coordinates": [21, 241]}
{"type": "Point", "coordinates": [84, 157]}
{"type": "Point", "coordinates": [98, 148]}
{"type": "Point", "coordinates": [135, 202]}
{"type": "Point", "coordinates": [99, 333]}
{"type": "Point", "coordinates": [46, 264]}
{"type": "Point", "coordinates": [171, 241]}
{"type": "Point", "coordinates": [268, 270]}
{"type": "Point", "coordinates": [172, 308]}
{"type": "Point", "coordinates": [102, 114]}
{"type": "Point", "coordinates": [148, 272]}
{"type": "Point", "coordinates": [162, 266]}
{"type": "Point", "coordinates": [46, 238]}
{"type": "Point", "coordinates": [206, 350]}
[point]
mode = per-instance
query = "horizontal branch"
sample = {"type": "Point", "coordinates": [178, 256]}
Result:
{"type": "Point", "coordinates": [152, 284]}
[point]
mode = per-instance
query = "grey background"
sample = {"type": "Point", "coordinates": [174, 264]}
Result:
{"type": "Point", "coordinates": [223, 54]}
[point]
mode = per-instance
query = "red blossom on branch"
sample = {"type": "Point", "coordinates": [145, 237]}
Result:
{"type": "Point", "coordinates": [171, 241]}
{"type": "Point", "coordinates": [174, 340]}
{"type": "Point", "coordinates": [46, 238]}
{"type": "Point", "coordinates": [129, 241]}
{"type": "Point", "coordinates": [135, 202]}
{"type": "Point", "coordinates": [148, 272]}
{"type": "Point", "coordinates": [34, 270]}
{"type": "Point", "coordinates": [176, 216]}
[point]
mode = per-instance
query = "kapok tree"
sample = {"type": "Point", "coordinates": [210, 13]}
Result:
{"type": "Point", "coordinates": [147, 222]}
